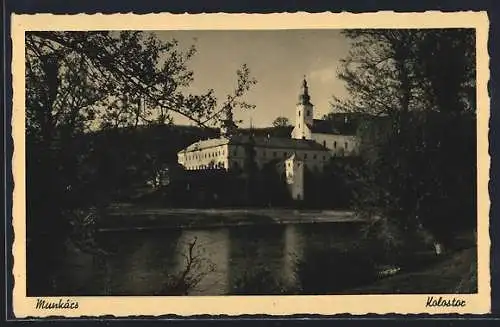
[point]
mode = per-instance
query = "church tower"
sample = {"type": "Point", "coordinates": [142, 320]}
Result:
{"type": "Point", "coordinates": [303, 114]}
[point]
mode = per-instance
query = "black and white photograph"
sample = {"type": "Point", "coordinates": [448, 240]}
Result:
{"type": "Point", "coordinates": [251, 162]}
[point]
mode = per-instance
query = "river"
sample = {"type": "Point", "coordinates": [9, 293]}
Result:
{"type": "Point", "coordinates": [261, 259]}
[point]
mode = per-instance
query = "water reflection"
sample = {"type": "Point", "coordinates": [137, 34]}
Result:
{"type": "Point", "coordinates": [292, 252]}
{"type": "Point", "coordinates": [256, 258]}
{"type": "Point", "coordinates": [237, 260]}
{"type": "Point", "coordinates": [210, 253]}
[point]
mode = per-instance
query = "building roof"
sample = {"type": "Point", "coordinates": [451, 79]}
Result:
{"type": "Point", "coordinates": [323, 127]}
{"type": "Point", "coordinates": [341, 124]}
{"type": "Point", "coordinates": [205, 144]}
{"type": "Point", "coordinates": [258, 141]}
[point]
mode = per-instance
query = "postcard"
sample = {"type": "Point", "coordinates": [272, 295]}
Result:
{"type": "Point", "coordinates": [230, 164]}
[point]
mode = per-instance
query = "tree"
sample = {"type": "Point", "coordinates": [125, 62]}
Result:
{"type": "Point", "coordinates": [281, 122]}
{"type": "Point", "coordinates": [79, 82]}
{"type": "Point", "coordinates": [421, 82]}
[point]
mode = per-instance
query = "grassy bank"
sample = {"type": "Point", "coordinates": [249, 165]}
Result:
{"type": "Point", "coordinates": [456, 272]}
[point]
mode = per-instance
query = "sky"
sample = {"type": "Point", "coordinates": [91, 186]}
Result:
{"type": "Point", "coordinates": [278, 60]}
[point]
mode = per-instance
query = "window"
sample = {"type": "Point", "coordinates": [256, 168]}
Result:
{"type": "Point", "coordinates": [299, 125]}
{"type": "Point", "coordinates": [284, 154]}
{"type": "Point", "coordinates": [314, 156]}
{"type": "Point", "coordinates": [299, 115]}
{"type": "Point", "coordinates": [305, 155]}
{"type": "Point", "coordinates": [274, 153]}
{"type": "Point", "coordinates": [335, 144]}
{"type": "Point", "coordinates": [346, 144]}
{"type": "Point", "coordinates": [324, 144]}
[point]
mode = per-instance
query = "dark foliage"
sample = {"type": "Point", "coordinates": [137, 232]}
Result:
{"type": "Point", "coordinates": [418, 173]}
{"type": "Point", "coordinates": [72, 90]}
{"type": "Point", "coordinates": [326, 271]}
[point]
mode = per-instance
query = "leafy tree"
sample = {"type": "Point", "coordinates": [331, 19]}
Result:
{"type": "Point", "coordinates": [281, 122]}
{"type": "Point", "coordinates": [80, 82]}
{"type": "Point", "coordinates": [416, 85]}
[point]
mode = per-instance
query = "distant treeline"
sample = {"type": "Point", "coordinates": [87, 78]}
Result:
{"type": "Point", "coordinates": [264, 187]}
{"type": "Point", "coordinates": [113, 164]}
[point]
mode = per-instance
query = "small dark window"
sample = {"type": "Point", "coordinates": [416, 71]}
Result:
{"type": "Point", "coordinates": [305, 155]}
{"type": "Point", "coordinates": [284, 154]}
{"type": "Point", "coordinates": [314, 156]}
{"type": "Point", "coordinates": [335, 144]}
{"type": "Point", "coordinates": [346, 144]}
{"type": "Point", "coordinates": [299, 115]}
{"type": "Point", "coordinates": [274, 154]}
{"type": "Point", "coordinates": [324, 144]}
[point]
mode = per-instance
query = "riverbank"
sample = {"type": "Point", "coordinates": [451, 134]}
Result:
{"type": "Point", "coordinates": [456, 272]}
{"type": "Point", "coordinates": [130, 217]}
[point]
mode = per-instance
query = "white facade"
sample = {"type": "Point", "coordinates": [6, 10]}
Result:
{"type": "Point", "coordinates": [339, 145]}
{"type": "Point", "coordinates": [215, 156]}
{"type": "Point", "coordinates": [294, 170]}
{"type": "Point", "coordinates": [225, 155]}
{"type": "Point", "coordinates": [303, 119]}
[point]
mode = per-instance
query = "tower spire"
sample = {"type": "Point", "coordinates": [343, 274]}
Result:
{"type": "Point", "coordinates": [304, 97]}
{"type": "Point", "coordinates": [304, 114]}
{"type": "Point", "coordinates": [228, 125]}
